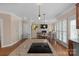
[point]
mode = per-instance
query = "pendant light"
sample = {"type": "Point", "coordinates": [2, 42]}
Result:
{"type": "Point", "coordinates": [44, 17]}
{"type": "Point", "coordinates": [39, 16]}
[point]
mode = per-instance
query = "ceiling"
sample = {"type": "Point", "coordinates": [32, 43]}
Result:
{"type": "Point", "coordinates": [30, 10]}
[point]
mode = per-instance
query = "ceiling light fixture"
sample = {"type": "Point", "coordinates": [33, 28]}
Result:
{"type": "Point", "coordinates": [39, 16]}
{"type": "Point", "coordinates": [44, 17]}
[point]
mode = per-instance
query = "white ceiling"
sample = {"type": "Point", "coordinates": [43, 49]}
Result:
{"type": "Point", "coordinates": [30, 10]}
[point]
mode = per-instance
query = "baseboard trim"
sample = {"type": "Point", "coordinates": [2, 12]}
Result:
{"type": "Point", "coordinates": [8, 45]}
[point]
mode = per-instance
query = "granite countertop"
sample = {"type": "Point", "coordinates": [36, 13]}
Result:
{"type": "Point", "coordinates": [24, 47]}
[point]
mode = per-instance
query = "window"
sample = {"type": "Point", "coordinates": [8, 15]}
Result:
{"type": "Point", "coordinates": [73, 30]}
{"type": "Point", "coordinates": [57, 32]}
{"type": "Point", "coordinates": [62, 30]}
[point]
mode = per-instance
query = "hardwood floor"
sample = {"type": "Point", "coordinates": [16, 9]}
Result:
{"type": "Point", "coordinates": [0, 43]}
{"type": "Point", "coordinates": [6, 51]}
{"type": "Point", "coordinates": [59, 50]}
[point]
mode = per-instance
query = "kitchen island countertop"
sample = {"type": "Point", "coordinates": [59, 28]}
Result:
{"type": "Point", "coordinates": [24, 47]}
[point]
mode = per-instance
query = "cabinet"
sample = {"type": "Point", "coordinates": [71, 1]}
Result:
{"type": "Point", "coordinates": [70, 48]}
{"type": "Point", "coordinates": [77, 15]}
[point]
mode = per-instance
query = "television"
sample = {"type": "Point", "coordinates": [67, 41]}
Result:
{"type": "Point", "coordinates": [43, 26]}
{"type": "Point", "coordinates": [44, 31]}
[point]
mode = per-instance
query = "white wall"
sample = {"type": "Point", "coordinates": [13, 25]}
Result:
{"type": "Point", "coordinates": [26, 29]}
{"type": "Point", "coordinates": [12, 29]}
{"type": "Point", "coordinates": [1, 31]}
{"type": "Point", "coordinates": [16, 29]}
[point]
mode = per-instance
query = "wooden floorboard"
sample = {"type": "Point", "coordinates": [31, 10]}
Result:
{"type": "Point", "coordinates": [6, 51]}
{"type": "Point", "coordinates": [60, 50]}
